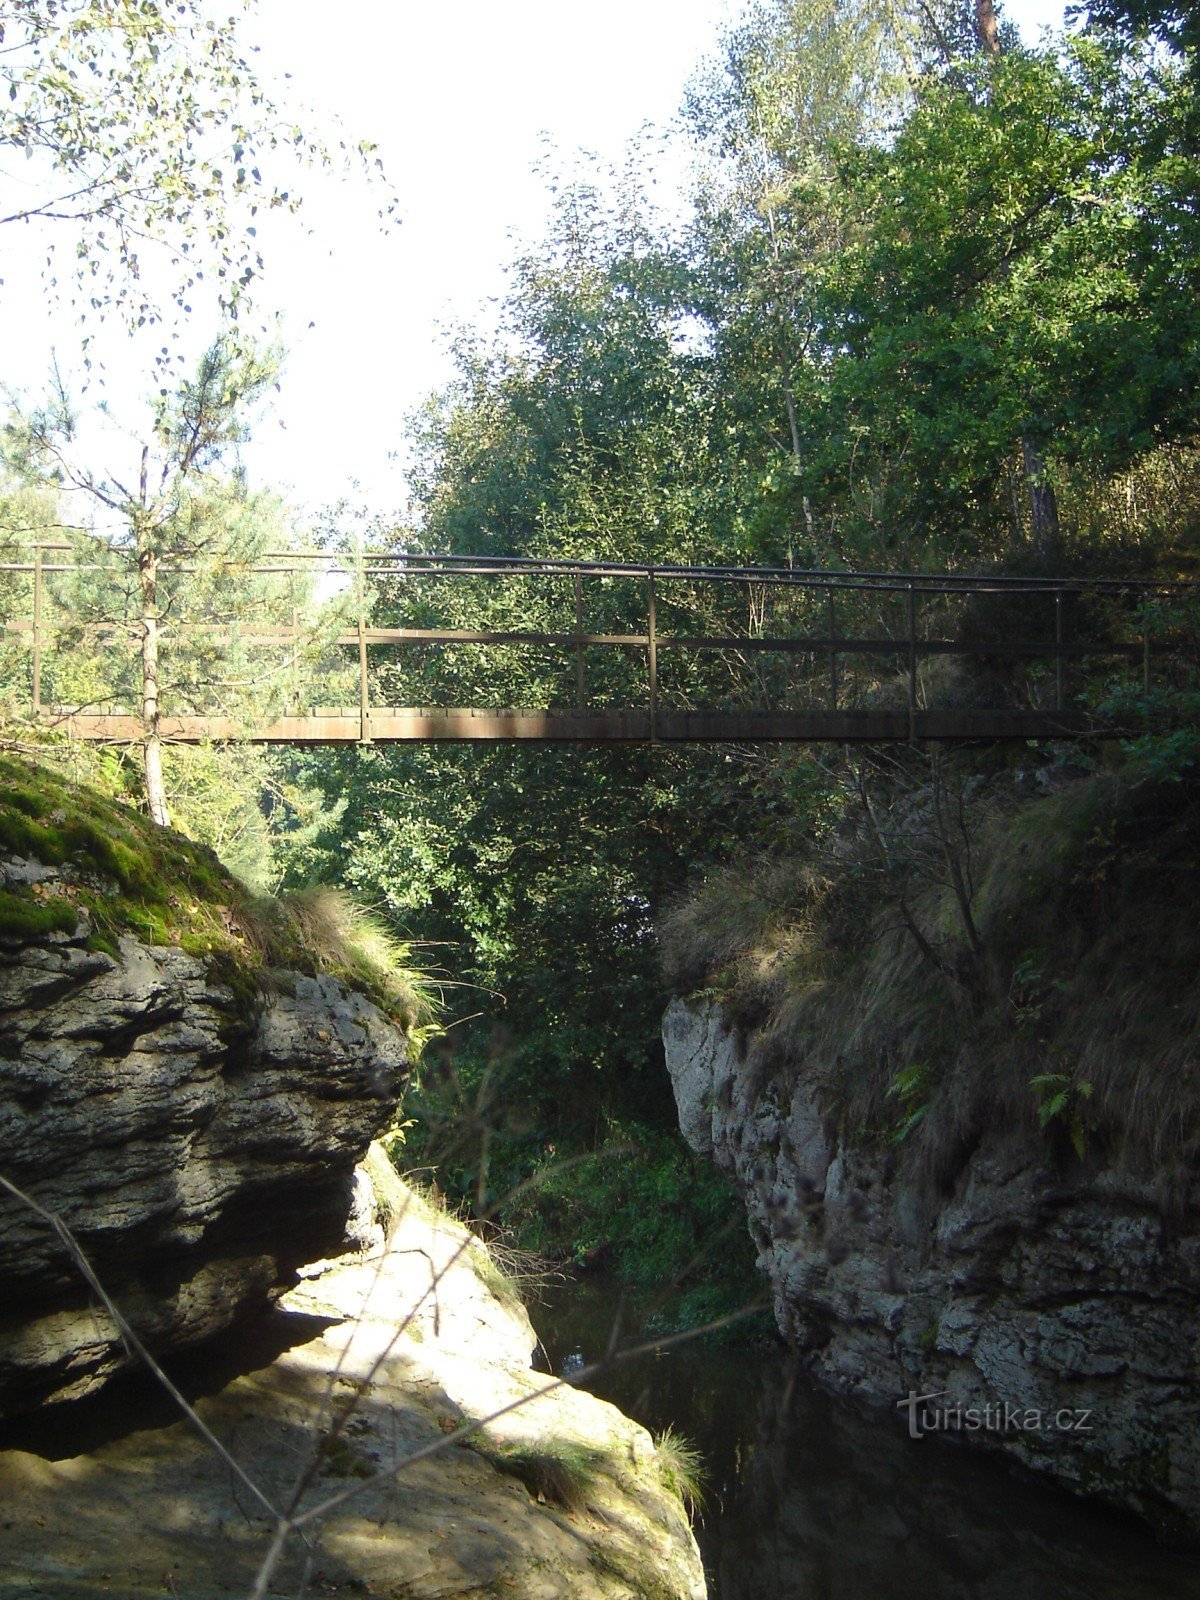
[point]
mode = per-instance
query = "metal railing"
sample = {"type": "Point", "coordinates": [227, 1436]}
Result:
{"type": "Point", "coordinates": [832, 624]}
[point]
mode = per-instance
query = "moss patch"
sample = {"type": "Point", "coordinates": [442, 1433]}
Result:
{"type": "Point", "coordinates": [24, 917]}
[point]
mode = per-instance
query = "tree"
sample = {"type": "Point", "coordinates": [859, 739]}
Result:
{"type": "Point", "coordinates": [146, 133]}
{"type": "Point", "coordinates": [1023, 281]}
{"type": "Point", "coordinates": [797, 84]}
{"type": "Point", "coordinates": [586, 431]}
{"type": "Point", "coordinates": [180, 514]}
{"type": "Point", "coordinates": [1173, 21]}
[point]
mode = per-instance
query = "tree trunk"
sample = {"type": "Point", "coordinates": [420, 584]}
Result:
{"type": "Point", "coordinates": [987, 29]}
{"type": "Point", "coordinates": [156, 789]}
{"type": "Point", "coordinates": [1043, 502]}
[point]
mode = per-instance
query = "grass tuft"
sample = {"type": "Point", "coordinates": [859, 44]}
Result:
{"type": "Point", "coordinates": [681, 1469]}
{"type": "Point", "coordinates": [561, 1471]}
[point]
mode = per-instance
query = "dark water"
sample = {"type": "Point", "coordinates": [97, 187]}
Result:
{"type": "Point", "coordinates": [814, 1497]}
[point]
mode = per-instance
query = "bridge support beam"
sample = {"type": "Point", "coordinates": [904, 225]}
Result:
{"type": "Point", "coordinates": [458, 725]}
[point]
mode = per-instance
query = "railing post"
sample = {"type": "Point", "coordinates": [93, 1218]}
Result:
{"type": "Point", "coordinates": [910, 606]}
{"type": "Point", "coordinates": [295, 694]}
{"type": "Point", "coordinates": [580, 688]}
{"type": "Point", "coordinates": [833, 665]}
{"type": "Point", "coordinates": [364, 709]}
{"type": "Point", "coordinates": [653, 638]}
{"type": "Point", "coordinates": [1060, 669]}
{"type": "Point", "coordinates": [37, 629]}
{"type": "Point", "coordinates": [1146, 648]}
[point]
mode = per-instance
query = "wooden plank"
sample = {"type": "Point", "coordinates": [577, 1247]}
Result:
{"type": "Point", "coordinates": [571, 725]}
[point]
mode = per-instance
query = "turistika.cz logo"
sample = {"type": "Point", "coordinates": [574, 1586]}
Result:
{"type": "Point", "coordinates": [926, 1416]}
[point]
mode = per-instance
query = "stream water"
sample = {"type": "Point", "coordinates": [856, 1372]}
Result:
{"type": "Point", "coordinates": [815, 1497]}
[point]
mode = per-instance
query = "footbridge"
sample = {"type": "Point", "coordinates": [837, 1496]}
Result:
{"type": "Point", "coordinates": [317, 647]}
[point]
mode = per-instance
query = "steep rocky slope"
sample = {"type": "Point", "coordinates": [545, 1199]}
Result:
{"type": "Point", "coordinates": [390, 1354]}
{"type": "Point", "coordinates": [197, 1146]}
{"type": "Point", "coordinates": [1050, 1315]}
{"type": "Point", "coordinates": [188, 1074]}
{"type": "Point", "coordinates": [963, 1116]}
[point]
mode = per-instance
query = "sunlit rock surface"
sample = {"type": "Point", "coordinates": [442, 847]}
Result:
{"type": "Point", "coordinates": [198, 1142]}
{"type": "Point", "coordinates": [1053, 1314]}
{"type": "Point", "coordinates": [393, 1350]}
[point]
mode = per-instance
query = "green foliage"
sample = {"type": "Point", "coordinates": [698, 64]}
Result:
{"type": "Point", "coordinates": [1058, 1099]}
{"type": "Point", "coordinates": [912, 1088]}
{"type": "Point", "coordinates": [188, 527]}
{"type": "Point", "coordinates": [1026, 990]}
{"type": "Point", "coordinates": [1012, 280]}
{"type": "Point", "coordinates": [1165, 724]}
{"type": "Point", "coordinates": [918, 286]}
{"type": "Point", "coordinates": [643, 1205]}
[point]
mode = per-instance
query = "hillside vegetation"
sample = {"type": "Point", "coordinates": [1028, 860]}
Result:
{"type": "Point", "coordinates": [931, 301]}
{"type": "Point", "coordinates": [957, 953]}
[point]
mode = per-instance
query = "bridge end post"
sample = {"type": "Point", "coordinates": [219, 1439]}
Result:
{"type": "Point", "coordinates": [652, 635]}
{"type": "Point", "coordinates": [910, 607]}
{"type": "Point", "coordinates": [1146, 646]}
{"type": "Point", "coordinates": [580, 686]}
{"type": "Point", "coordinates": [36, 685]}
{"type": "Point", "coordinates": [1060, 665]}
{"type": "Point", "coordinates": [364, 707]}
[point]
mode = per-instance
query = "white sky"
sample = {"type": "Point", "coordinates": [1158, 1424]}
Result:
{"type": "Point", "coordinates": [461, 100]}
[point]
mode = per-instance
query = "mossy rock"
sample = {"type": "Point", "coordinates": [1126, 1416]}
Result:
{"type": "Point", "coordinates": [132, 877]}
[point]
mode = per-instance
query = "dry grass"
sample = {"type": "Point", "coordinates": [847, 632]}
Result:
{"type": "Point", "coordinates": [1089, 975]}
{"type": "Point", "coordinates": [751, 931]}
{"type": "Point", "coordinates": [681, 1468]}
{"type": "Point", "coordinates": [561, 1471]}
{"type": "Point", "coordinates": [334, 934]}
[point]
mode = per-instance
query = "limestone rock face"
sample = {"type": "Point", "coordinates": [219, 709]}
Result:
{"type": "Point", "coordinates": [198, 1144]}
{"type": "Point", "coordinates": [1051, 1315]}
{"type": "Point", "coordinates": [404, 1394]}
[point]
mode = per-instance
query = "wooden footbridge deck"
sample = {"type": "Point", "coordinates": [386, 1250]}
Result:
{"type": "Point", "coordinates": [633, 653]}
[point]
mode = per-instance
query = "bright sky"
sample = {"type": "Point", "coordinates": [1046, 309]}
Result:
{"type": "Point", "coordinates": [462, 101]}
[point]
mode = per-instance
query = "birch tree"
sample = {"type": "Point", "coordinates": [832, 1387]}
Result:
{"type": "Point", "coordinates": [141, 141]}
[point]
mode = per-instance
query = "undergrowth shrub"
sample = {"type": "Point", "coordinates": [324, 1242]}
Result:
{"type": "Point", "coordinates": [642, 1206]}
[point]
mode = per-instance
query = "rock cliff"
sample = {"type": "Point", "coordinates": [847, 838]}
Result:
{"type": "Point", "coordinates": [198, 1141]}
{"type": "Point", "coordinates": [1046, 1310]}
